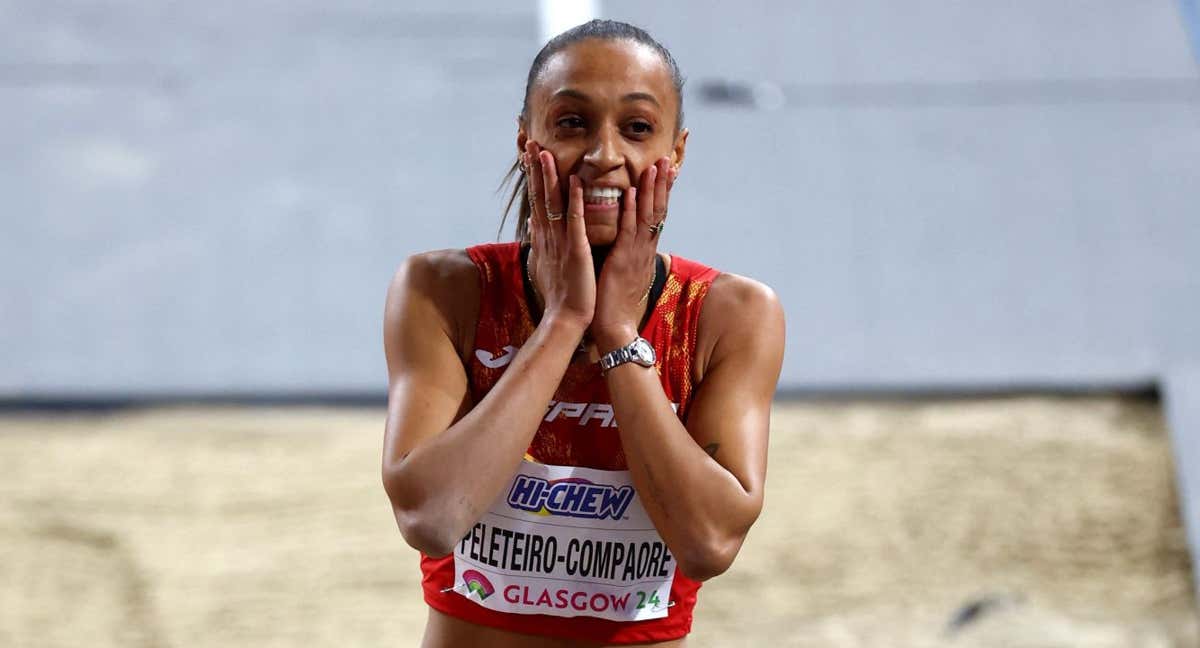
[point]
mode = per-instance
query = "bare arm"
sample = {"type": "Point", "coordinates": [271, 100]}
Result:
{"type": "Point", "coordinates": [703, 485]}
{"type": "Point", "coordinates": [440, 473]}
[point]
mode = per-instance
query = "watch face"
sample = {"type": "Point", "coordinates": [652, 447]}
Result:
{"type": "Point", "coordinates": [643, 352]}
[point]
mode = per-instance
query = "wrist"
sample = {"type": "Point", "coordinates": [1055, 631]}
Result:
{"type": "Point", "coordinates": [567, 323]}
{"type": "Point", "coordinates": [611, 338]}
{"type": "Point", "coordinates": [638, 352]}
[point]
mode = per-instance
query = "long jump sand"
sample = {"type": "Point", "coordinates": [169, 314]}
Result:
{"type": "Point", "coordinates": [1009, 522]}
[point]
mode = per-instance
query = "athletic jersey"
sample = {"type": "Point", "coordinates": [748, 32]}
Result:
{"type": "Point", "coordinates": [576, 442]}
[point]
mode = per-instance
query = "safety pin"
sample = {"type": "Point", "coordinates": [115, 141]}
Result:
{"type": "Point", "coordinates": [454, 588]}
{"type": "Point", "coordinates": [659, 608]}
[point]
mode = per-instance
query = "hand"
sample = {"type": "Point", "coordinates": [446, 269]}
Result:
{"type": "Point", "coordinates": [629, 268]}
{"type": "Point", "coordinates": [561, 260]}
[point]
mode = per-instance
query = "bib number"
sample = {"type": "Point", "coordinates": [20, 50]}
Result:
{"type": "Point", "coordinates": [566, 541]}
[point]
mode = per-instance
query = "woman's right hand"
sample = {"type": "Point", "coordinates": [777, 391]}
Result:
{"type": "Point", "coordinates": [561, 259]}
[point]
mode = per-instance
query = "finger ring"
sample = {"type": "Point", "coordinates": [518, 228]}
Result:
{"type": "Point", "coordinates": [657, 228]}
{"type": "Point", "coordinates": [552, 216]}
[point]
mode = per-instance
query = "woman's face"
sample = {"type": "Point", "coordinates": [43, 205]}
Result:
{"type": "Point", "coordinates": [606, 110]}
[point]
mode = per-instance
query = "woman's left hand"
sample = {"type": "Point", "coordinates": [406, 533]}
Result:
{"type": "Point", "coordinates": [629, 268]}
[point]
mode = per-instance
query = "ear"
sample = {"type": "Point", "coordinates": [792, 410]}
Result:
{"type": "Point", "coordinates": [679, 149]}
{"type": "Point", "coordinates": [522, 136]}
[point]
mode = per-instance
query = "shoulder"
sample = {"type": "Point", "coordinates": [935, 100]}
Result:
{"type": "Point", "coordinates": [435, 270]}
{"type": "Point", "coordinates": [742, 297]}
{"type": "Point", "coordinates": [739, 314]}
{"type": "Point", "coordinates": [729, 296]}
{"type": "Point", "coordinates": [445, 282]}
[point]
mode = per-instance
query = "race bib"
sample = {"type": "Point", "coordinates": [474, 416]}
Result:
{"type": "Point", "coordinates": [567, 541]}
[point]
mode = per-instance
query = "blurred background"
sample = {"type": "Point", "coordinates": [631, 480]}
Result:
{"type": "Point", "coordinates": [981, 219]}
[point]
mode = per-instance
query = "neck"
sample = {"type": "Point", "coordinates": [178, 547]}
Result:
{"type": "Point", "coordinates": [599, 255]}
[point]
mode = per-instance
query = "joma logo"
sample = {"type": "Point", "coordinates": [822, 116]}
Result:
{"type": "Point", "coordinates": [496, 361]}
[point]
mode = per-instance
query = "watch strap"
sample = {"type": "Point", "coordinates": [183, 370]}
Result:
{"type": "Point", "coordinates": [629, 353]}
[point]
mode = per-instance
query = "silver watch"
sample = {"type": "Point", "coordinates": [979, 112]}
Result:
{"type": "Point", "coordinates": [639, 351]}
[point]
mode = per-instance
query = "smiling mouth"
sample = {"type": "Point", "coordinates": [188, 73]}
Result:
{"type": "Point", "coordinates": [602, 196]}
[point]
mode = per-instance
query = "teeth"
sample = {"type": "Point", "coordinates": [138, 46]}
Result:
{"type": "Point", "coordinates": [601, 195]}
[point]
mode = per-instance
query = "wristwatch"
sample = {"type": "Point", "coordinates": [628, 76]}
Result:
{"type": "Point", "coordinates": [638, 351]}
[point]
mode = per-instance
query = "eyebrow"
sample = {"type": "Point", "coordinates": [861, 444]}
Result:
{"type": "Point", "coordinates": [632, 96]}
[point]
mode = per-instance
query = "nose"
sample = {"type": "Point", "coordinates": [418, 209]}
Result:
{"type": "Point", "coordinates": [604, 151]}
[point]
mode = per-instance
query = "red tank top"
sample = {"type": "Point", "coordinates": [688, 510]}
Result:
{"type": "Point", "coordinates": [579, 428]}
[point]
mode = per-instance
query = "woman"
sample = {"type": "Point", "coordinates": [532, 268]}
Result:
{"type": "Point", "coordinates": [572, 442]}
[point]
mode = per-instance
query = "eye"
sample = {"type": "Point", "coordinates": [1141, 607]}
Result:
{"type": "Point", "coordinates": [640, 128]}
{"type": "Point", "coordinates": [570, 121]}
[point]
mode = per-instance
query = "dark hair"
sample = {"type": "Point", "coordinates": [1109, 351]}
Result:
{"type": "Point", "coordinates": [600, 29]}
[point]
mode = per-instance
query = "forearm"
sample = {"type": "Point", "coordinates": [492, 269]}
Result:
{"type": "Point", "coordinates": [698, 507]}
{"type": "Point", "coordinates": [445, 483]}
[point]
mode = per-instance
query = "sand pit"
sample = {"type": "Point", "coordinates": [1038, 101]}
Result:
{"type": "Point", "coordinates": [1009, 522]}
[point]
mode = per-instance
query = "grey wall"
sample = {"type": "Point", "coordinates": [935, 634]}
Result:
{"type": "Point", "coordinates": [956, 194]}
{"type": "Point", "coordinates": [198, 199]}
